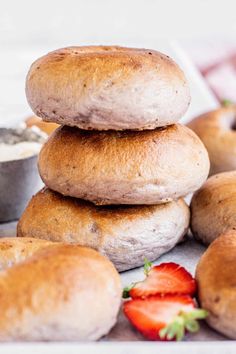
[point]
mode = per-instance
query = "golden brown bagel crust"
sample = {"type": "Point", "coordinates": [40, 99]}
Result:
{"type": "Point", "coordinates": [147, 167]}
{"type": "Point", "coordinates": [124, 234]}
{"type": "Point", "coordinates": [53, 291]}
{"type": "Point", "coordinates": [47, 128]}
{"type": "Point", "coordinates": [107, 87]}
{"type": "Point", "coordinates": [213, 207]}
{"type": "Point", "coordinates": [216, 278]}
{"type": "Point", "coordinates": [217, 131]}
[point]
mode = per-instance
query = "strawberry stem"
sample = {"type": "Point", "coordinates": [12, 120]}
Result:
{"type": "Point", "coordinates": [147, 266]}
{"type": "Point", "coordinates": [226, 103]}
{"type": "Point", "coordinates": [126, 290]}
{"type": "Point", "coordinates": [182, 322]}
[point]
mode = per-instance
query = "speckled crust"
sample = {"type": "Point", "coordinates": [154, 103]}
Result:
{"type": "Point", "coordinates": [217, 131]}
{"type": "Point", "coordinates": [124, 234]}
{"type": "Point", "coordinates": [216, 278]}
{"type": "Point", "coordinates": [147, 167]}
{"type": "Point", "coordinates": [52, 291]}
{"type": "Point", "coordinates": [213, 207]}
{"type": "Point", "coordinates": [106, 87]}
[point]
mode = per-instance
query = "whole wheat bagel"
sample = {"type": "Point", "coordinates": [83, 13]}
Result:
{"type": "Point", "coordinates": [146, 167]}
{"type": "Point", "coordinates": [125, 234]}
{"type": "Point", "coordinates": [216, 278]}
{"type": "Point", "coordinates": [213, 207]}
{"type": "Point", "coordinates": [217, 131]}
{"type": "Point", "coordinates": [52, 291]}
{"type": "Point", "coordinates": [107, 87]}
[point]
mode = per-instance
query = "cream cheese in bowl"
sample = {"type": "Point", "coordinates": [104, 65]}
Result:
{"type": "Point", "coordinates": [18, 151]}
{"type": "Point", "coordinates": [19, 178]}
{"type": "Point", "coordinates": [16, 144]}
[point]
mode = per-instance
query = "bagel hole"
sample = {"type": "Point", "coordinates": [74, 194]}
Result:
{"type": "Point", "coordinates": [228, 121]}
{"type": "Point", "coordinates": [233, 125]}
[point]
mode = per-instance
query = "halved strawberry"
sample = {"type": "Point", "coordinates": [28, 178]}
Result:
{"type": "Point", "coordinates": [164, 317]}
{"type": "Point", "coordinates": [166, 278]}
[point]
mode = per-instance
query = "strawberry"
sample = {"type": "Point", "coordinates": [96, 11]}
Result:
{"type": "Point", "coordinates": [165, 317]}
{"type": "Point", "coordinates": [166, 278]}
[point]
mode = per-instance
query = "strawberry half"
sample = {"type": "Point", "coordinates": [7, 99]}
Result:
{"type": "Point", "coordinates": [166, 278]}
{"type": "Point", "coordinates": [164, 317]}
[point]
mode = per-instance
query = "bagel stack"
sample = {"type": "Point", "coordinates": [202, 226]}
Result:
{"type": "Point", "coordinates": [117, 168]}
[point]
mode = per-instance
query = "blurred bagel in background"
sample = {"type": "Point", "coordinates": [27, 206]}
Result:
{"type": "Point", "coordinates": [107, 87]}
{"type": "Point", "coordinates": [129, 167]}
{"type": "Point", "coordinates": [47, 128]}
{"type": "Point", "coordinates": [213, 207]}
{"type": "Point", "coordinates": [217, 130]}
{"type": "Point", "coordinates": [216, 279]}
{"type": "Point", "coordinates": [125, 234]}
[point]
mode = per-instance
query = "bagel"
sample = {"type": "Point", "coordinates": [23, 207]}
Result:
{"type": "Point", "coordinates": [146, 167]}
{"type": "Point", "coordinates": [52, 291]}
{"type": "Point", "coordinates": [107, 87]}
{"type": "Point", "coordinates": [216, 279]}
{"type": "Point", "coordinates": [217, 130]}
{"type": "Point", "coordinates": [125, 234]}
{"type": "Point", "coordinates": [213, 207]}
{"type": "Point", "coordinates": [47, 128]}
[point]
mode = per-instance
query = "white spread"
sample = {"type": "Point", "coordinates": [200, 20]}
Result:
{"type": "Point", "coordinates": [9, 152]}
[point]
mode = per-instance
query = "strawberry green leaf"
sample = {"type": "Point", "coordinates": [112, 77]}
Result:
{"type": "Point", "coordinates": [182, 322]}
{"type": "Point", "coordinates": [192, 326]}
{"type": "Point", "coordinates": [173, 330]}
{"type": "Point", "coordinates": [163, 332]}
{"type": "Point", "coordinates": [147, 266]}
{"type": "Point", "coordinates": [180, 333]}
{"type": "Point", "coordinates": [196, 314]}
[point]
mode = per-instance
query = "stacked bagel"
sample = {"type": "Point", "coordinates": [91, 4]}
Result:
{"type": "Point", "coordinates": [117, 169]}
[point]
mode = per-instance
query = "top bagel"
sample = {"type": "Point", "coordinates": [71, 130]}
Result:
{"type": "Point", "coordinates": [107, 87]}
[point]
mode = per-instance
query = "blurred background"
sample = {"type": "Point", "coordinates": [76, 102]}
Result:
{"type": "Point", "coordinates": [200, 35]}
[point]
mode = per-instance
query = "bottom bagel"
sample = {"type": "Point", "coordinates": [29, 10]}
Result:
{"type": "Point", "coordinates": [125, 234]}
{"type": "Point", "coordinates": [52, 291]}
